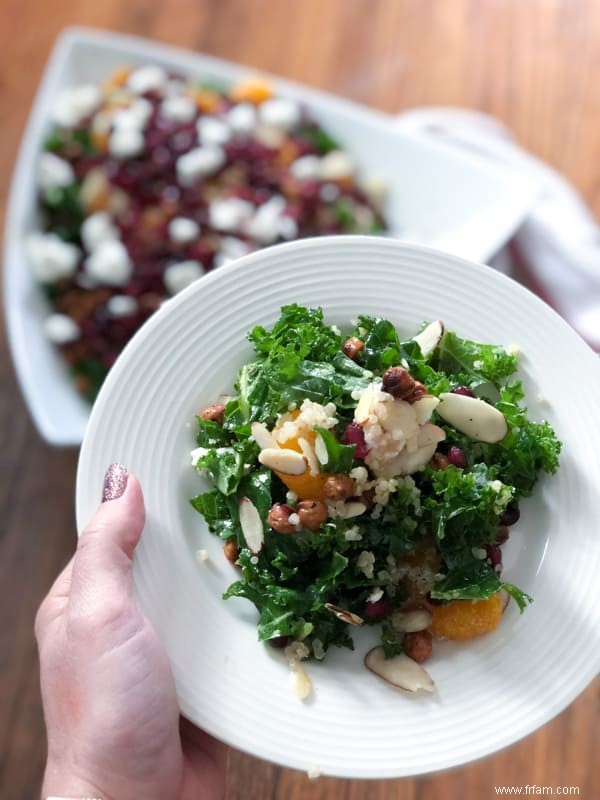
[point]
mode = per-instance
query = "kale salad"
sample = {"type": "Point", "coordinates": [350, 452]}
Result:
{"type": "Point", "coordinates": [363, 479]}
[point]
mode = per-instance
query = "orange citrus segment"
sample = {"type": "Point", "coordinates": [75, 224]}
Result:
{"type": "Point", "coordinates": [252, 89]}
{"type": "Point", "coordinates": [464, 619]}
{"type": "Point", "coordinates": [306, 486]}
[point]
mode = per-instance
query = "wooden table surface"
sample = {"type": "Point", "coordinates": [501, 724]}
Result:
{"type": "Point", "coordinates": [532, 63]}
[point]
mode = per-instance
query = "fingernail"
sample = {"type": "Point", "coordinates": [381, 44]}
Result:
{"type": "Point", "coordinates": [115, 482]}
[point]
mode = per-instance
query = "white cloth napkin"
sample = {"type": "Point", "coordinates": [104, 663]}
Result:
{"type": "Point", "coordinates": [556, 252]}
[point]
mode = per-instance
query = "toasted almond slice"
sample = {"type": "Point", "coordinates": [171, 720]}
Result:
{"type": "Point", "coordinates": [282, 460]}
{"type": "Point", "coordinates": [363, 408]}
{"type": "Point", "coordinates": [474, 417]}
{"type": "Point", "coordinates": [353, 509]}
{"type": "Point", "coordinates": [345, 616]}
{"type": "Point", "coordinates": [251, 525]}
{"type": "Point", "coordinates": [262, 436]}
{"type": "Point", "coordinates": [429, 338]}
{"type": "Point", "coordinates": [308, 451]}
{"type": "Point", "coordinates": [301, 682]}
{"type": "Point", "coordinates": [321, 450]}
{"type": "Point", "coordinates": [400, 671]}
{"type": "Point", "coordinates": [411, 621]}
{"type": "Point", "coordinates": [425, 407]}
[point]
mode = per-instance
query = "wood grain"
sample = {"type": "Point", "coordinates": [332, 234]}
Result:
{"type": "Point", "coordinates": [532, 64]}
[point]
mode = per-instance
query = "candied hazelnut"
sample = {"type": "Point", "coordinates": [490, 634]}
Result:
{"type": "Point", "coordinates": [214, 413]}
{"type": "Point", "coordinates": [339, 487]}
{"type": "Point", "coordinates": [312, 514]}
{"type": "Point", "coordinates": [352, 347]}
{"type": "Point", "coordinates": [279, 518]}
{"type": "Point", "coordinates": [418, 645]}
{"type": "Point", "coordinates": [400, 384]}
{"type": "Point", "coordinates": [231, 550]}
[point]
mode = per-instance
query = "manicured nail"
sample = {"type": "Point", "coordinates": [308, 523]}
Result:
{"type": "Point", "coordinates": [115, 482]}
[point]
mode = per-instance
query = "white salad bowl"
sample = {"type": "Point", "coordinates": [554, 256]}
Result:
{"type": "Point", "coordinates": [434, 192]}
{"type": "Point", "coordinates": [488, 692]}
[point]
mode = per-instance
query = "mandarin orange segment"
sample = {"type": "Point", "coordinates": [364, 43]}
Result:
{"type": "Point", "coordinates": [465, 619]}
{"type": "Point", "coordinates": [252, 89]}
{"type": "Point", "coordinates": [205, 99]}
{"type": "Point", "coordinates": [116, 79]}
{"type": "Point", "coordinates": [306, 486]}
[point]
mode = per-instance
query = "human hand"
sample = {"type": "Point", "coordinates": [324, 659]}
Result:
{"type": "Point", "coordinates": [111, 711]}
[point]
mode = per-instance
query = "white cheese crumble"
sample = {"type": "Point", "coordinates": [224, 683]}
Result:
{"type": "Point", "coordinates": [96, 229]}
{"type": "Point", "coordinates": [212, 131]}
{"type": "Point", "coordinates": [229, 214]}
{"type": "Point", "coordinates": [51, 259]}
{"type": "Point", "coordinates": [279, 113]}
{"type": "Point", "coordinates": [149, 78]}
{"type": "Point", "coordinates": [311, 414]}
{"type": "Point", "coordinates": [514, 349]}
{"type": "Point", "coordinates": [61, 329]}
{"type": "Point", "coordinates": [336, 165]}
{"type": "Point", "coordinates": [183, 230]}
{"type": "Point", "coordinates": [353, 534]}
{"type": "Point", "coordinates": [366, 563]}
{"type": "Point", "coordinates": [199, 163]}
{"type": "Point", "coordinates": [375, 595]}
{"type": "Point", "coordinates": [242, 118]}
{"type": "Point", "coordinates": [134, 117]}
{"type": "Point", "coordinates": [231, 248]}
{"type": "Point", "coordinates": [53, 172]}
{"type": "Point", "coordinates": [75, 104]}
{"type": "Point", "coordinates": [265, 225]}
{"type": "Point", "coordinates": [178, 276]}
{"type": "Point", "coordinates": [126, 143]}
{"type": "Point", "coordinates": [178, 108]}
{"type": "Point", "coordinates": [306, 168]}
{"type": "Point", "coordinates": [109, 264]}
{"type": "Point", "coordinates": [121, 305]}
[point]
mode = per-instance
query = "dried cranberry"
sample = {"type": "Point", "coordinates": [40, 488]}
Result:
{"type": "Point", "coordinates": [511, 515]}
{"type": "Point", "coordinates": [464, 391]}
{"type": "Point", "coordinates": [457, 457]}
{"type": "Point", "coordinates": [377, 610]}
{"type": "Point", "coordinates": [494, 556]}
{"type": "Point", "coordinates": [354, 435]}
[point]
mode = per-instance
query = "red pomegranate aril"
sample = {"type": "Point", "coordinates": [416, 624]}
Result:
{"type": "Point", "coordinates": [456, 456]}
{"type": "Point", "coordinates": [464, 391]}
{"type": "Point", "coordinates": [511, 515]}
{"type": "Point", "coordinates": [354, 435]}
{"type": "Point", "coordinates": [494, 557]}
{"type": "Point", "coordinates": [377, 610]}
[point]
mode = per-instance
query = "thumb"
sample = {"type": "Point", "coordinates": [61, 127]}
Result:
{"type": "Point", "coordinates": [103, 562]}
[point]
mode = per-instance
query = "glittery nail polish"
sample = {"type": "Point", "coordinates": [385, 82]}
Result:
{"type": "Point", "coordinates": [115, 482]}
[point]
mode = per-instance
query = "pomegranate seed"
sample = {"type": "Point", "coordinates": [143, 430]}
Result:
{"type": "Point", "coordinates": [494, 557]}
{"type": "Point", "coordinates": [464, 390]}
{"type": "Point", "coordinates": [511, 515]}
{"type": "Point", "coordinates": [354, 435]}
{"type": "Point", "coordinates": [279, 642]}
{"type": "Point", "coordinates": [457, 457]}
{"type": "Point", "coordinates": [378, 610]}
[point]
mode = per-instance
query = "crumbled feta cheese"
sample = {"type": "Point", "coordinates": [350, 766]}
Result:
{"type": "Point", "coordinates": [51, 258]}
{"type": "Point", "coordinates": [288, 227]}
{"type": "Point", "coordinates": [265, 225]}
{"type": "Point", "coordinates": [61, 329]}
{"type": "Point", "coordinates": [311, 414]}
{"type": "Point", "coordinates": [134, 117]}
{"type": "Point", "coordinates": [212, 131]}
{"type": "Point", "coordinates": [329, 192]}
{"type": "Point", "coordinates": [375, 595]}
{"type": "Point", "coordinates": [178, 108]}
{"type": "Point", "coordinates": [231, 247]}
{"type": "Point", "coordinates": [353, 534]}
{"type": "Point", "coordinates": [514, 350]}
{"type": "Point", "coordinates": [199, 163]}
{"type": "Point", "coordinates": [180, 275]}
{"type": "Point", "coordinates": [296, 651]}
{"type": "Point", "coordinates": [201, 556]}
{"type": "Point", "coordinates": [291, 497]}
{"type": "Point", "coordinates": [53, 172]}
{"type": "Point", "coordinates": [75, 104]}
{"type": "Point", "coordinates": [306, 168]}
{"type": "Point", "coordinates": [336, 165]}
{"type": "Point", "coordinates": [149, 78]}
{"type": "Point", "coordinates": [229, 214]}
{"type": "Point", "coordinates": [121, 305]}
{"type": "Point", "coordinates": [254, 560]}
{"type": "Point", "coordinates": [366, 563]}
{"type": "Point", "coordinates": [126, 143]}
{"type": "Point", "coordinates": [109, 264]}
{"type": "Point", "coordinates": [183, 230]}
{"type": "Point", "coordinates": [242, 118]}
{"type": "Point", "coordinates": [96, 229]}
{"type": "Point", "coordinates": [279, 113]}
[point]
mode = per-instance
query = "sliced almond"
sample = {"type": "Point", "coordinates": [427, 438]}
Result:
{"type": "Point", "coordinates": [352, 509]}
{"type": "Point", "coordinates": [262, 436]}
{"type": "Point", "coordinates": [363, 408]}
{"type": "Point", "coordinates": [282, 460]}
{"type": "Point", "coordinates": [321, 450]}
{"type": "Point", "coordinates": [301, 682]}
{"type": "Point", "coordinates": [308, 451]}
{"type": "Point", "coordinates": [401, 671]}
{"type": "Point", "coordinates": [411, 621]}
{"type": "Point", "coordinates": [251, 525]}
{"type": "Point", "coordinates": [344, 615]}
{"type": "Point", "coordinates": [474, 417]}
{"type": "Point", "coordinates": [429, 338]}
{"type": "Point", "coordinates": [425, 407]}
